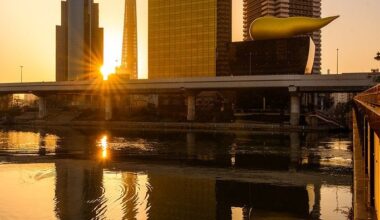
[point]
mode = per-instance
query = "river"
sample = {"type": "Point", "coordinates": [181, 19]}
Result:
{"type": "Point", "coordinates": [88, 173]}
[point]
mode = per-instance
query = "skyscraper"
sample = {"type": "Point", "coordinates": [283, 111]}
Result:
{"type": "Point", "coordinates": [188, 38]}
{"type": "Point", "coordinates": [129, 52]}
{"type": "Point", "coordinates": [79, 41]}
{"type": "Point", "coordinates": [285, 8]}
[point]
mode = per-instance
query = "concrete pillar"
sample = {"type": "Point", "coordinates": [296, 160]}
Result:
{"type": "Point", "coordinates": [322, 102]}
{"type": "Point", "coordinates": [156, 101]}
{"type": "Point", "coordinates": [190, 107]}
{"type": "Point", "coordinates": [315, 100]}
{"type": "Point", "coordinates": [42, 111]}
{"type": "Point", "coordinates": [108, 107]}
{"type": "Point", "coordinates": [295, 106]}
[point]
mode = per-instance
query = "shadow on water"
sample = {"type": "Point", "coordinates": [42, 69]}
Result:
{"type": "Point", "coordinates": [123, 174]}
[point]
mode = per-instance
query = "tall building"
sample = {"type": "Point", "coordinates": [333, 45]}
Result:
{"type": "Point", "coordinates": [285, 8]}
{"type": "Point", "coordinates": [79, 41]}
{"type": "Point", "coordinates": [129, 52]}
{"type": "Point", "coordinates": [188, 38]}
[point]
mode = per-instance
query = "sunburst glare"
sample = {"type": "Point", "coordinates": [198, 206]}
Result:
{"type": "Point", "coordinates": [106, 71]}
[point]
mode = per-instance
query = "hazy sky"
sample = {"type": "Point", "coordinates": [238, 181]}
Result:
{"type": "Point", "coordinates": [28, 35]}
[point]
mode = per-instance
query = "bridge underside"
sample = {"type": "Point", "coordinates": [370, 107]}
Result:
{"type": "Point", "coordinates": [295, 85]}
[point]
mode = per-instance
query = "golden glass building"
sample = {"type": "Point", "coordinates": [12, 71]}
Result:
{"type": "Point", "coordinates": [285, 8]}
{"type": "Point", "coordinates": [188, 38]}
{"type": "Point", "coordinates": [129, 51]}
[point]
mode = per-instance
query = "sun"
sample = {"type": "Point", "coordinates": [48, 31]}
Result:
{"type": "Point", "coordinates": [106, 71]}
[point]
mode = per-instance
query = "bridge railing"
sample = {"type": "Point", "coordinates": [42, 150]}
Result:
{"type": "Point", "coordinates": [366, 145]}
{"type": "Point", "coordinates": [370, 96]}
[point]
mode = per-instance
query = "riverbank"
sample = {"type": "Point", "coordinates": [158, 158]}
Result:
{"type": "Point", "coordinates": [234, 126]}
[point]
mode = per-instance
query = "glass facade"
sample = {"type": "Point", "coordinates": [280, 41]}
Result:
{"type": "Point", "coordinates": [183, 38]}
{"type": "Point", "coordinates": [129, 51]}
{"type": "Point", "coordinates": [79, 41]}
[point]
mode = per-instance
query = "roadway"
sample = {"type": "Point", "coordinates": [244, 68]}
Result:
{"type": "Point", "coordinates": [353, 82]}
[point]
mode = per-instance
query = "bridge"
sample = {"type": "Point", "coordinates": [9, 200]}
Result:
{"type": "Point", "coordinates": [366, 140]}
{"type": "Point", "coordinates": [295, 84]}
{"type": "Point", "coordinates": [355, 82]}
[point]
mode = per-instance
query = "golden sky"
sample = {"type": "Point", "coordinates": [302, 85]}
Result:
{"type": "Point", "coordinates": [28, 36]}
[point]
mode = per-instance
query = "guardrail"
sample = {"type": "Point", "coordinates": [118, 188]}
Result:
{"type": "Point", "coordinates": [370, 96]}
{"type": "Point", "coordinates": [366, 141]}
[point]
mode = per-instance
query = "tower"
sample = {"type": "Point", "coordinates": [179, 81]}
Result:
{"type": "Point", "coordinates": [285, 8]}
{"type": "Point", "coordinates": [129, 51]}
{"type": "Point", "coordinates": [79, 41]}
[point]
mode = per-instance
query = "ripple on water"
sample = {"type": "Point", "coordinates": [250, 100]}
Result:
{"type": "Point", "coordinates": [30, 177]}
{"type": "Point", "coordinates": [120, 143]}
{"type": "Point", "coordinates": [126, 192]}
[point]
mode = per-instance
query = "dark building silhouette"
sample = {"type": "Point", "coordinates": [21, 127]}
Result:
{"type": "Point", "coordinates": [79, 41]}
{"type": "Point", "coordinates": [129, 52]}
{"type": "Point", "coordinates": [5, 102]}
{"type": "Point", "coordinates": [279, 56]}
{"type": "Point", "coordinates": [285, 8]}
{"type": "Point", "coordinates": [188, 38]}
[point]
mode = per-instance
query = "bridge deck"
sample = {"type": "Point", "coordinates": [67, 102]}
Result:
{"type": "Point", "coordinates": [306, 83]}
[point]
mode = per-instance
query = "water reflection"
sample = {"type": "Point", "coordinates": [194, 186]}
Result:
{"type": "Point", "coordinates": [287, 151]}
{"type": "Point", "coordinates": [86, 190]}
{"type": "Point", "coordinates": [174, 175]}
{"type": "Point", "coordinates": [79, 192]}
{"type": "Point", "coordinates": [103, 143]}
{"type": "Point", "coordinates": [24, 142]}
{"type": "Point", "coordinates": [24, 194]}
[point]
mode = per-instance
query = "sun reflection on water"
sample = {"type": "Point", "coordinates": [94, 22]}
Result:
{"type": "Point", "coordinates": [104, 146]}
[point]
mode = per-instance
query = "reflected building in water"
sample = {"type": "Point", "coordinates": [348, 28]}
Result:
{"type": "Point", "coordinates": [112, 189]}
{"type": "Point", "coordinates": [163, 194]}
{"type": "Point", "coordinates": [79, 192]}
{"type": "Point", "coordinates": [83, 191]}
{"type": "Point", "coordinates": [183, 197]}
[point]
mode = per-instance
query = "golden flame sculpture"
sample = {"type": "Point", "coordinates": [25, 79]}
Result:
{"type": "Point", "coordinates": [268, 27]}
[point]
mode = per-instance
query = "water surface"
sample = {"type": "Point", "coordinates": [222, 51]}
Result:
{"type": "Point", "coordinates": [65, 173]}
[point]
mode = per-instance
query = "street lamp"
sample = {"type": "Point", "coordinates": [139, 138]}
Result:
{"type": "Point", "coordinates": [337, 60]}
{"type": "Point", "coordinates": [21, 71]}
{"type": "Point", "coordinates": [377, 57]}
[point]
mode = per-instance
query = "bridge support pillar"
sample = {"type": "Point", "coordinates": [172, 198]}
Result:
{"type": "Point", "coordinates": [322, 105]}
{"type": "Point", "coordinates": [42, 110]}
{"type": "Point", "coordinates": [315, 100]}
{"type": "Point", "coordinates": [295, 106]}
{"type": "Point", "coordinates": [108, 107]}
{"type": "Point", "coordinates": [191, 106]}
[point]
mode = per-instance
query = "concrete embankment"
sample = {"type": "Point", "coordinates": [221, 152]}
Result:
{"type": "Point", "coordinates": [177, 125]}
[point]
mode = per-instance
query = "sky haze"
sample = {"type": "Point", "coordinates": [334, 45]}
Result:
{"type": "Point", "coordinates": [28, 36]}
